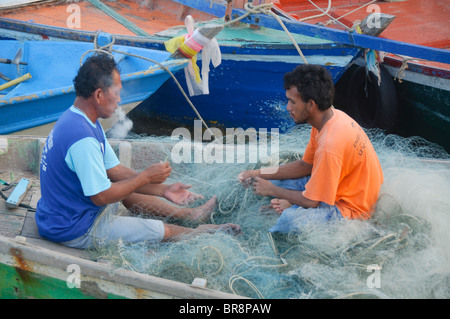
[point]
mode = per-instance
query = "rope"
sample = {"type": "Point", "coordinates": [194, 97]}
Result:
{"type": "Point", "coordinates": [265, 8]}
{"type": "Point", "coordinates": [400, 74]}
{"type": "Point", "coordinates": [318, 15]}
{"type": "Point", "coordinates": [248, 282]}
{"type": "Point", "coordinates": [336, 20]}
{"type": "Point", "coordinates": [220, 257]}
{"type": "Point", "coordinates": [332, 19]}
{"type": "Point", "coordinates": [108, 49]}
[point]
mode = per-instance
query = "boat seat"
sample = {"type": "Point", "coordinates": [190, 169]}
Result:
{"type": "Point", "coordinates": [30, 235]}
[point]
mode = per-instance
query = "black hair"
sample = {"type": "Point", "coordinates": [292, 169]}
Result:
{"type": "Point", "coordinates": [313, 82]}
{"type": "Point", "coordinates": [95, 73]}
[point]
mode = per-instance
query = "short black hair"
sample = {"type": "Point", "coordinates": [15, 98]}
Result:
{"type": "Point", "coordinates": [96, 72]}
{"type": "Point", "coordinates": [313, 82]}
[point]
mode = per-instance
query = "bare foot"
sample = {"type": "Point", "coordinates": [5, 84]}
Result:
{"type": "Point", "coordinates": [203, 212]}
{"type": "Point", "coordinates": [280, 205]}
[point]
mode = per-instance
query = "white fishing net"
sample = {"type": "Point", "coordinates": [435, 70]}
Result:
{"type": "Point", "coordinates": [402, 252]}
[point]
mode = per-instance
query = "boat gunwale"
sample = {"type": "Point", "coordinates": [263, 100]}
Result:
{"type": "Point", "coordinates": [31, 257]}
{"type": "Point", "coordinates": [153, 42]}
{"type": "Point", "coordinates": [126, 77]}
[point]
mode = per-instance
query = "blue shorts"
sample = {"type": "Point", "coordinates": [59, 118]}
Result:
{"type": "Point", "coordinates": [109, 227]}
{"type": "Point", "coordinates": [294, 218]}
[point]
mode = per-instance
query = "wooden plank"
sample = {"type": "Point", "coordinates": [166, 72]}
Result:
{"type": "Point", "coordinates": [20, 3]}
{"type": "Point", "coordinates": [80, 35]}
{"type": "Point", "coordinates": [348, 38]}
{"type": "Point", "coordinates": [4, 210]}
{"type": "Point", "coordinates": [214, 9]}
{"type": "Point", "coordinates": [41, 242]}
{"type": "Point", "coordinates": [11, 224]}
{"type": "Point", "coordinates": [39, 258]}
{"type": "Point", "coordinates": [30, 228]}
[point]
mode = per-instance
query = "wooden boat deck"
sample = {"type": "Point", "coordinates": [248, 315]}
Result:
{"type": "Point", "coordinates": [37, 268]}
{"type": "Point", "coordinates": [416, 21]}
{"type": "Point", "coordinates": [19, 223]}
{"type": "Point", "coordinates": [157, 16]}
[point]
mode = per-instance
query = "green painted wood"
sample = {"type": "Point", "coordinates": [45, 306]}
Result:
{"type": "Point", "coordinates": [22, 284]}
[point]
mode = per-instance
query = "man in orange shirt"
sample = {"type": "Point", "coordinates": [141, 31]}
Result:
{"type": "Point", "coordinates": [339, 174]}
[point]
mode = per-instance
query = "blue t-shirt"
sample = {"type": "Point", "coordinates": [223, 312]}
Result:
{"type": "Point", "coordinates": [73, 167]}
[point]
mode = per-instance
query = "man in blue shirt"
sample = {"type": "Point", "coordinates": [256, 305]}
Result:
{"type": "Point", "coordinates": [80, 175]}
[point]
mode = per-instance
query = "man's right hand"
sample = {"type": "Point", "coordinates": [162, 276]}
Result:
{"type": "Point", "coordinates": [246, 177]}
{"type": "Point", "coordinates": [158, 173]}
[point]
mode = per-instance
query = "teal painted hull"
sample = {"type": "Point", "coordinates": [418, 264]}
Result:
{"type": "Point", "coordinates": [425, 112]}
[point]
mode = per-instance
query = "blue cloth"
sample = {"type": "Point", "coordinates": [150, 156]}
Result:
{"type": "Point", "coordinates": [295, 218]}
{"type": "Point", "coordinates": [73, 168]}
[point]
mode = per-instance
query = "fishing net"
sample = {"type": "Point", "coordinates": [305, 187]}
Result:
{"type": "Point", "coordinates": [405, 244]}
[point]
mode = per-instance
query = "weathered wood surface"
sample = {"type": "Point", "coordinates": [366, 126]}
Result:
{"type": "Point", "coordinates": [22, 248]}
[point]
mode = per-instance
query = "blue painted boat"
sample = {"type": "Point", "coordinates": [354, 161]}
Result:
{"type": "Point", "coordinates": [52, 66]}
{"type": "Point", "coordinates": [245, 90]}
{"type": "Point", "coordinates": [422, 86]}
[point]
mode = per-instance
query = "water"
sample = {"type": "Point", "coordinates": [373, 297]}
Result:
{"type": "Point", "coordinates": [402, 252]}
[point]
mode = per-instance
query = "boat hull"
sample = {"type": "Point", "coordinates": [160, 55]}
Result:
{"type": "Point", "coordinates": [244, 93]}
{"type": "Point", "coordinates": [423, 95]}
{"type": "Point", "coordinates": [31, 271]}
{"type": "Point", "coordinates": [43, 98]}
{"type": "Point", "coordinates": [424, 105]}
{"type": "Point", "coordinates": [245, 90]}
{"type": "Point", "coordinates": [423, 91]}
{"type": "Point", "coordinates": [33, 267]}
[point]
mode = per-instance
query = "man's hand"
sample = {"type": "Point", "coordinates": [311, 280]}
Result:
{"type": "Point", "coordinates": [178, 193]}
{"type": "Point", "coordinates": [262, 186]}
{"type": "Point", "coordinates": [246, 177]}
{"type": "Point", "coordinates": [157, 173]}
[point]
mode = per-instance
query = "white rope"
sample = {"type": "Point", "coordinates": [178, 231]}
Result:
{"type": "Point", "coordinates": [220, 257]}
{"type": "Point", "coordinates": [265, 8]}
{"type": "Point", "coordinates": [336, 19]}
{"type": "Point", "coordinates": [248, 282]}
{"type": "Point", "coordinates": [318, 15]}
{"type": "Point", "coordinates": [332, 19]}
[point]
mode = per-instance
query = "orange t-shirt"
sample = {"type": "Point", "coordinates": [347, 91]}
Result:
{"type": "Point", "coordinates": [346, 171]}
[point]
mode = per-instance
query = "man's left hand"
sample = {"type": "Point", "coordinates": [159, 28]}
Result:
{"type": "Point", "coordinates": [262, 186]}
{"type": "Point", "coordinates": [178, 193]}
